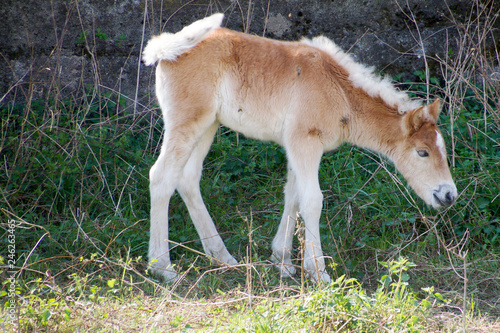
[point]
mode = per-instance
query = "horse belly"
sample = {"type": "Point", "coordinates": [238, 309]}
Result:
{"type": "Point", "coordinates": [255, 124]}
{"type": "Point", "coordinates": [254, 116]}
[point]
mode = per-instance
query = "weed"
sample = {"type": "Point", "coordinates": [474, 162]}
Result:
{"type": "Point", "coordinates": [342, 306]}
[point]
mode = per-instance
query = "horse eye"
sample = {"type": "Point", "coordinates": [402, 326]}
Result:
{"type": "Point", "coordinates": [423, 153]}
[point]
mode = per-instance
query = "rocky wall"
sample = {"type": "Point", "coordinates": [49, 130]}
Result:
{"type": "Point", "coordinates": [65, 47]}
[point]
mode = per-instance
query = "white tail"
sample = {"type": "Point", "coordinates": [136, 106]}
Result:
{"type": "Point", "coordinates": [169, 46]}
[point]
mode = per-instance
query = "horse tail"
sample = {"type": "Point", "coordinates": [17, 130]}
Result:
{"type": "Point", "coordinates": [169, 46]}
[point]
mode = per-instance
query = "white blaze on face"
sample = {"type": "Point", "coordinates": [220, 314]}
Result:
{"type": "Point", "coordinates": [440, 144]}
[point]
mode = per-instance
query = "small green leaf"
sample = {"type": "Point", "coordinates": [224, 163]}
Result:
{"type": "Point", "coordinates": [111, 283]}
{"type": "Point", "coordinates": [46, 316]}
{"type": "Point", "coordinates": [67, 314]}
{"type": "Point", "coordinates": [439, 296]}
{"type": "Point", "coordinates": [386, 280]}
{"type": "Point", "coordinates": [426, 303]}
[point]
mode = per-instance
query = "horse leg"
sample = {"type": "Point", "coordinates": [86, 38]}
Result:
{"type": "Point", "coordinates": [305, 160]}
{"type": "Point", "coordinates": [189, 189]}
{"type": "Point", "coordinates": [165, 176]}
{"type": "Point", "coordinates": [282, 242]}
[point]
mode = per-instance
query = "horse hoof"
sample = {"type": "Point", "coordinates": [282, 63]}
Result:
{"type": "Point", "coordinates": [168, 275]}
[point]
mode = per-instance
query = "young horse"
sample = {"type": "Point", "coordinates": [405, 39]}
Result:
{"type": "Point", "coordinates": [307, 96]}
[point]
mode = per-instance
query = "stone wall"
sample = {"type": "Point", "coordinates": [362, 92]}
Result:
{"type": "Point", "coordinates": [64, 47]}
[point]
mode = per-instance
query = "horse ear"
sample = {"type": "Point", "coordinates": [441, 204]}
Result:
{"type": "Point", "coordinates": [427, 113]}
{"type": "Point", "coordinates": [434, 109]}
{"type": "Point", "coordinates": [415, 119]}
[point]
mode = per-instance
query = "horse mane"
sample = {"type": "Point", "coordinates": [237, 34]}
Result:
{"type": "Point", "coordinates": [363, 77]}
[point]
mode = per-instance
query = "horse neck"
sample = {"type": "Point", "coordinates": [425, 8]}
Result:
{"type": "Point", "coordinates": [375, 126]}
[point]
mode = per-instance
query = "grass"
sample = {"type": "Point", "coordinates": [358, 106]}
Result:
{"type": "Point", "coordinates": [75, 207]}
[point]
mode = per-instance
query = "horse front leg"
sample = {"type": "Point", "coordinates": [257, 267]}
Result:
{"type": "Point", "coordinates": [282, 242]}
{"type": "Point", "coordinates": [305, 160]}
{"type": "Point", "coordinates": [311, 203]}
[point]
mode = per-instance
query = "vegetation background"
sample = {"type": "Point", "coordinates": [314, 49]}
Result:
{"type": "Point", "coordinates": [74, 203]}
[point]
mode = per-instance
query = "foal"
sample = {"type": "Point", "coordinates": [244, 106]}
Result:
{"type": "Point", "coordinates": [307, 96]}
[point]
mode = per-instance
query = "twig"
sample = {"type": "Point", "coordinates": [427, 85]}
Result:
{"type": "Point", "coordinates": [249, 18]}
{"type": "Point", "coordinates": [140, 58]}
{"type": "Point", "coordinates": [420, 41]}
{"type": "Point", "coordinates": [31, 252]}
{"type": "Point", "coordinates": [249, 259]}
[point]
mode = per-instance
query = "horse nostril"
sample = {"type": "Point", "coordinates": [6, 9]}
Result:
{"type": "Point", "coordinates": [445, 196]}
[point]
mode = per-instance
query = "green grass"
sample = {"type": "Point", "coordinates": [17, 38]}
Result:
{"type": "Point", "coordinates": [75, 184]}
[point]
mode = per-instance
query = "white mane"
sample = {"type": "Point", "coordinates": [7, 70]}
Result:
{"type": "Point", "coordinates": [364, 78]}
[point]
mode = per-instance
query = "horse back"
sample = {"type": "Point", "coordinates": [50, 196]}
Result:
{"type": "Point", "coordinates": [260, 87]}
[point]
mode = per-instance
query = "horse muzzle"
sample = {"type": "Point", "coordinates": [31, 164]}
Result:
{"type": "Point", "coordinates": [444, 196]}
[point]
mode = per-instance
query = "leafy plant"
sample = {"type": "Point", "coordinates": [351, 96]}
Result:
{"type": "Point", "coordinates": [343, 306]}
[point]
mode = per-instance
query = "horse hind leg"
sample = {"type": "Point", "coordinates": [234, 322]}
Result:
{"type": "Point", "coordinates": [189, 189]}
{"type": "Point", "coordinates": [163, 181]}
{"type": "Point", "coordinates": [165, 176]}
